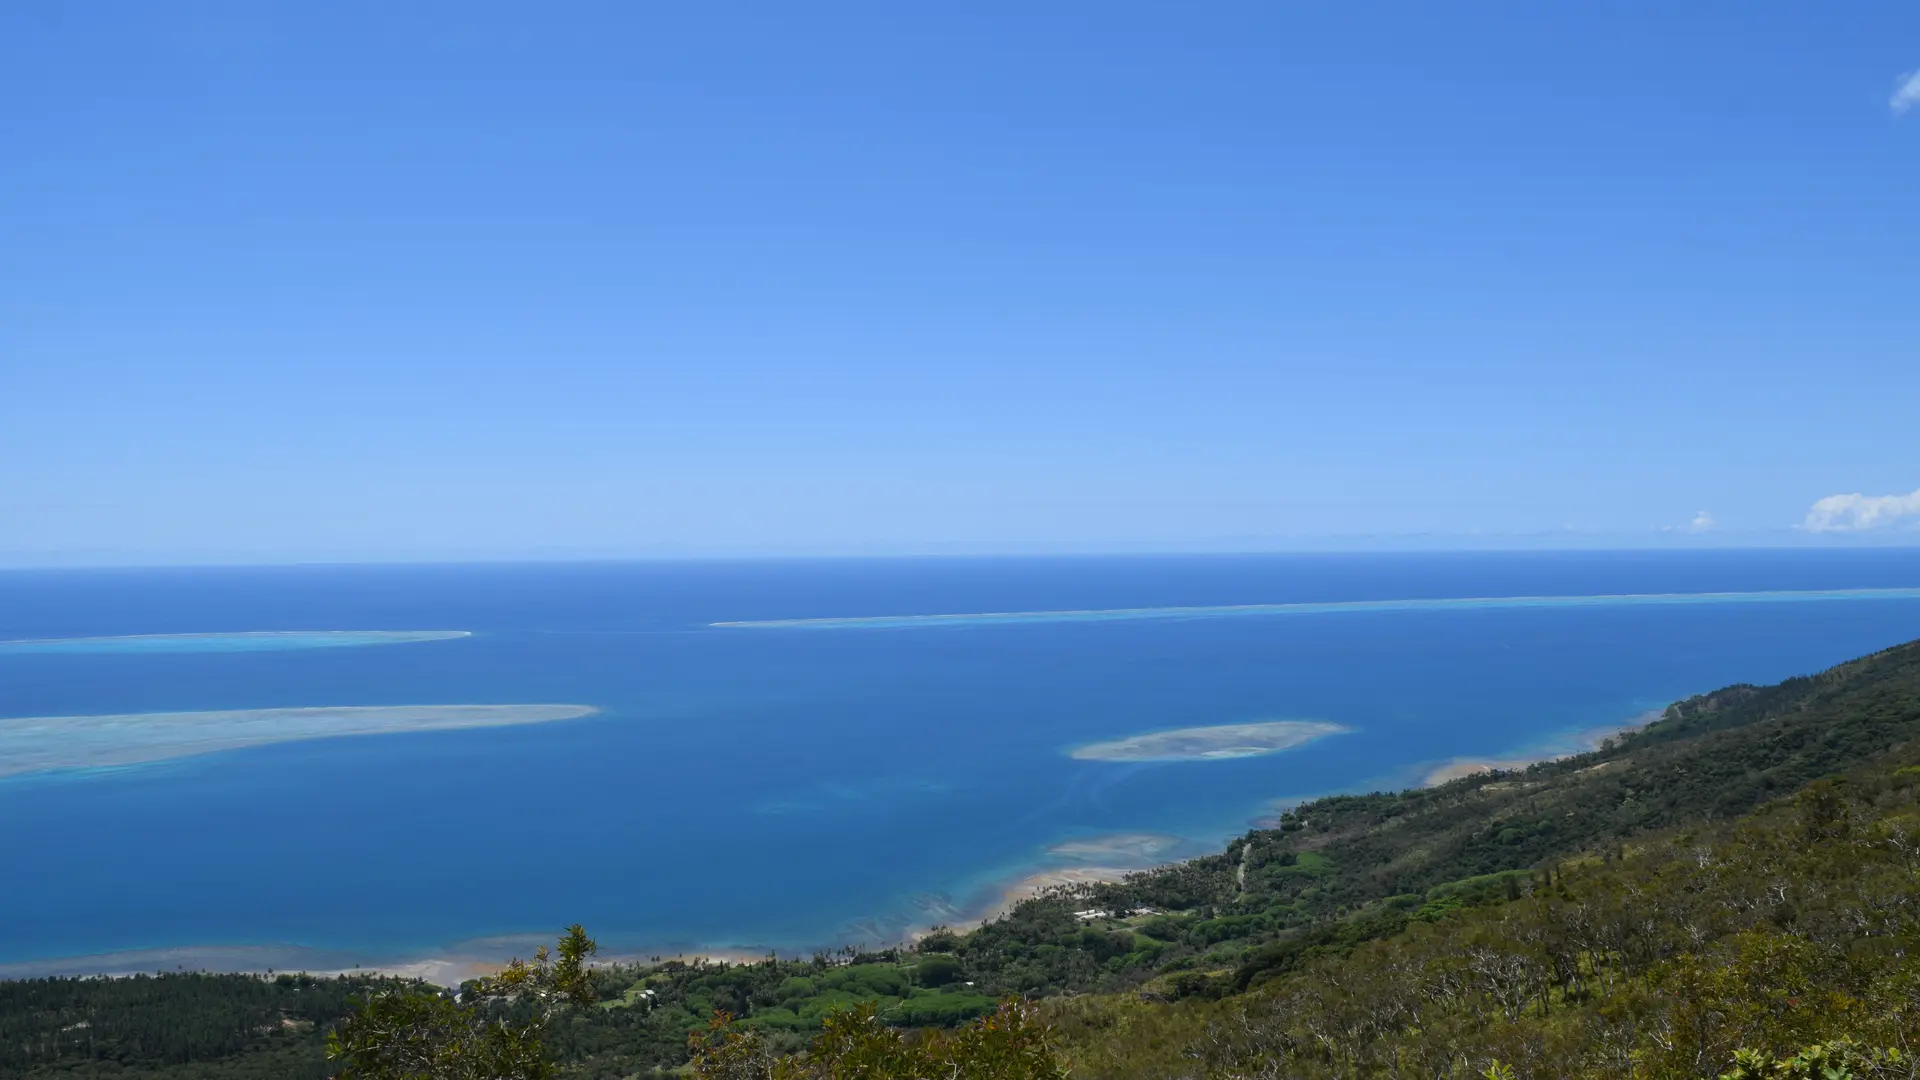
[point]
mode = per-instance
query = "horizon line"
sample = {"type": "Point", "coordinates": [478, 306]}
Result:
{"type": "Point", "coordinates": [1343, 544]}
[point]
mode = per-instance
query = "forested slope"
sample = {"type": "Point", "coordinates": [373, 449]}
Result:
{"type": "Point", "coordinates": [222, 1027]}
{"type": "Point", "coordinates": [1663, 956]}
{"type": "Point", "coordinates": [1346, 868]}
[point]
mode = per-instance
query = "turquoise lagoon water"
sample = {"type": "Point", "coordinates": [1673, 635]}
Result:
{"type": "Point", "coordinates": [768, 785]}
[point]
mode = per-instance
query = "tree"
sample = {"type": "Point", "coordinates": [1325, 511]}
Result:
{"type": "Point", "coordinates": [937, 970]}
{"type": "Point", "coordinates": [420, 1034]}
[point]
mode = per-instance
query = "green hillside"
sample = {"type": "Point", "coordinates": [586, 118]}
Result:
{"type": "Point", "coordinates": [1658, 956]}
{"type": "Point", "coordinates": [1351, 867]}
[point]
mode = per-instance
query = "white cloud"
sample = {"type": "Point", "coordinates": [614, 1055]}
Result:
{"type": "Point", "coordinates": [1854, 513]}
{"type": "Point", "coordinates": [1906, 93]}
{"type": "Point", "coordinates": [1702, 522]}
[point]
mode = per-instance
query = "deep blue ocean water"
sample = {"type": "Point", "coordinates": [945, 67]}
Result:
{"type": "Point", "coordinates": [795, 787]}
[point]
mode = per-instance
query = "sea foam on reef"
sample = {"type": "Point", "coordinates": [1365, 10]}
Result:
{"type": "Point", "coordinates": [1218, 611]}
{"type": "Point", "coordinates": [247, 641]}
{"type": "Point", "coordinates": [41, 743]}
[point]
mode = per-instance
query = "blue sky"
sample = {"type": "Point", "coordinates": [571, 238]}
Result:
{"type": "Point", "coordinates": [301, 281]}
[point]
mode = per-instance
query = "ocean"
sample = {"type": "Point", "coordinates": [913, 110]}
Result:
{"type": "Point", "coordinates": [833, 771]}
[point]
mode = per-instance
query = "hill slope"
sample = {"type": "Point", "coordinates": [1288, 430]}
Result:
{"type": "Point", "coordinates": [1346, 868]}
{"type": "Point", "coordinates": [1664, 956]}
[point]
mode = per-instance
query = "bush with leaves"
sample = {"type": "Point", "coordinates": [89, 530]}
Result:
{"type": "Point", "coordinates": [417, 1034]}
{"type": "Point", "coordinates": [1841, 1059]}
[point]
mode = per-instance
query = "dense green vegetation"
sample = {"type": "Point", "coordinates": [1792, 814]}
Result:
{"type": "Point", "coordinates": [646, 1014]}
{"type": "Point", "coordinates": [1660, 957]}
{"type": "Point", "coordinates": [1643, 910]}
{"type": "Point", "coordinates": [223, 1027]}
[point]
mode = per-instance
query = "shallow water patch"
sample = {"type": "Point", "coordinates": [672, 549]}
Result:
{"type": "Point", "coordinates": [248, 641]}
{"type": "Point", "coordinates": [31, 744]}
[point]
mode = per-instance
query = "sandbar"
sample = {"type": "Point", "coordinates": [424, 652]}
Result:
{"type": "Point", "coordinates": [247, 641]}
{"type": "Point", "coordinates": [1217, 743]}
{"type": "Point", "coordinates": [40, 743]}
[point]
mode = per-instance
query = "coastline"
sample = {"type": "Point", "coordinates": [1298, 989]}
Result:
{"type": "Point", "coordinates": [1426, 714]}
{"type": "Point", "coordinates": [1087, 860]}
{"type": "Point", "coordinates": [1027, 887]}
{"type": "Point", "coordinates": [448, 968]}
{"type": "Point", "coordinates": [1574, 743]}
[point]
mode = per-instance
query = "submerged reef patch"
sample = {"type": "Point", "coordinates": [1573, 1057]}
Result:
{"type": "Point", "coordinates": [1218, 743]}
{"type": "Point", "coordinates": [246, 641]}
{"type": "Point", "coordinates": [1143, 849]}
{"type": "Point", "coordinates": [42, 743]}
{"type": "Point", "coordinates": [1219, 611]}
{"type": "Point", "coordinates": [827, 796]}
